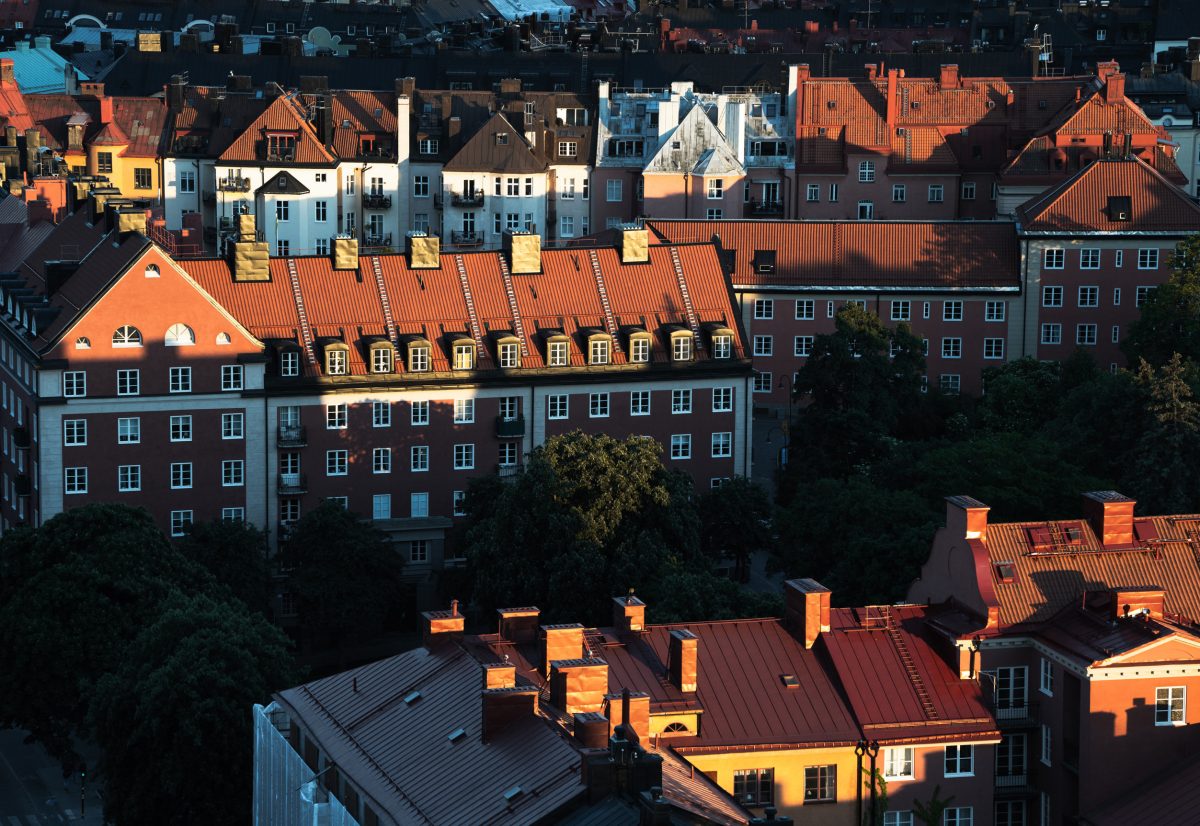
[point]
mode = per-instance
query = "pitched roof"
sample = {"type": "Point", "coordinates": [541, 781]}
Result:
{"type": "Point", "coordinates": [1170, 797]}
{"type": "Point", "coordinates": [1082, 203]}
{"type": "Point", "coordinates": [911, 255]}
{"type": "Point", "coordinates": [496, 147]}
{"type": "Point", "coordinates": [140, 120]}
{"type": "Point", "coordinates": [696, 146]}
{"type": "Point", "coordinates": [283, 114]}
{"type": "Point", "coordinates": [13, 111]}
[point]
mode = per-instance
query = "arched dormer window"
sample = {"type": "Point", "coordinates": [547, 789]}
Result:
{"type": "Point", "coordinates": [289, 361]}
{"type": "Point", "coordinates": [179, 335]}
{"type": "Point", "coordinates": [383, 356]}
{"type": "Point", "coordinates": [720, 338]}
{"type": "Point", "coordinates": [152, 271]}
{"type": "Point", "coordinates": [639, 346]}
{"type": "Point", "coordinates": [508, 351]}
{"type": "Point", "coordinates": [599, 348]}
{"type": "Point", "coordinates": [418, 355]}
{"type": "Point", "coordinates": [223, 338]}
{"type": "Point", "coordinates": [337, 359]}
{"type": "Point", "coordinates": [83, 343]}
{"type": "Point", "coordinates": [463, 351]}
{"type": "Point", "coordinates": [127, 336]}
{"type": "Point", "coordinates": [675, 728]}
{"type": "Point", "coordinates": [558, 349]}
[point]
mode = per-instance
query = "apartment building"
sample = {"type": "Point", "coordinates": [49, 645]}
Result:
{"type": "Point", "coordinates": [1084, 631]}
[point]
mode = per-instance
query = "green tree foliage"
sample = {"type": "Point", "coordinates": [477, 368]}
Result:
{"type": "Point", "coordinates": [345, 575]}
{"type": "Point", "coordinates": [173, 720]}
{"type": "Point", "coordinates": [1169, 318]}
{"type": "Point", "coordinates": [932, 812]}
{"type": "Point", "coordinates": [690, 596]}
{"type": "Point", "coordinates": [234, 552]}
{"type": "Point", "coordinates": [1020, 394]}
{"type": "Point", "coordinates": [735, 521]}
{"type": "Point", "coordinates": [1165, 477]}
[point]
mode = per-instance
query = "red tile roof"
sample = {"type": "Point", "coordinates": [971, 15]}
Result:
{"type": "Point", "coordinates": [917, 255]}
{"type": "Point", "coordinates": [13, 111]}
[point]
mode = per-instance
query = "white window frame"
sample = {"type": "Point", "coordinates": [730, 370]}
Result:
{"type": "Point", "coordinates": [898, 763]}
{"type": "Point", "coordinates": [958, 756]}
{"type": "Point", "coordinates": [464, 456]}
{"type": "Point", "coordinates": [1165, 711]}
{"type": "Point", "coordinates": [418, 413]}
{"type": "Point", "coordinates": [681, 446]}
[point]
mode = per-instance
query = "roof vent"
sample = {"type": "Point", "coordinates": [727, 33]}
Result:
{"type": "Point", "coordinates": [456, 735]}
{"type": "Point", "coordinates": [790, 680]}
{"type": "Point", "coordinates": [411, 698]}
{"type": "Point", "coordinates": [513, 793]}
{"type": "Point", "coordinates": [1006, 572]}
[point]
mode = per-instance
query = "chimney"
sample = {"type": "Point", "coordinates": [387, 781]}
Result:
{"type": "Point", "coordinates": [949, 76]}
{"type": "Point", "coordinates": [579, 684]}
{"type": "Point", "coordinates": [1146, 603]}
{"type": "Point", "coordinates": [345, 252]}
{"type": "Point", "coordinates": [422, 250]}
{"type": "Point", "coordinates": [499, 675]}
{"type": "Point", "coordinates": [10, 136]}
{"type": "Point", "coordinates": [561, 642]}
{"type": "Point", "coordinates": [803, 72]}
{"type": "Point", "coordinates": [524, 251]}
{"type": "Point", "coordinates": [682, 652]}
{"type": "Point", "coordinates": [510, 86]}
{"type": "Point", "coordinates": [131, 219]}
{"type": "Point", "coordinates": [1107, 68]}
{"type": "Point", "coordinates": [1111, 516]}
{"type": "Point", "coordinates": [893, 96]}
{"type": "Point", "coordinates": [91, 89]}
{"type": "Point", "coordinates": [630, 708]}
{"type": "Point", "coordinates": [872, 69]}
{"type": "Point", "coordinates": [1114, 88]}
{"type": "Point", "coordinates": [591, 730]}
{"type": "Point", "coordinates": [251, 258]}
{"type": "Point", "coordinates": [635, 244]}
{"type": "Point", "coordinates": [106, 109]}
{"type": "Point", "coordinates": [518, 624]}
{"type": "Point", "coordinates": [176, 93]}
{"type": "Point", "coordinates": [406, 86]}
{"type": "Point", "coordinates": [325, 118]}
{"type": "Point", "coordinates": [442, 627]}
{"type": "Point", "coordinates": [966, 517]}
{"type": "Point", "coordinates": [806, 609]}
{"type": "Point", "coordinates": [501, 706]}
{"type": "Point", "coordinates": [629, 614]}
{"type": "Point", "coordinates": [453, 133]}
{"type": "Point", "coordinates": [7, 72]}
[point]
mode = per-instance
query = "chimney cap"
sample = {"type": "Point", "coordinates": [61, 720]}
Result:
{"type": "Point", "coordinates": [807, 585]}
{"type": "Point", "coordinates": [628, 599]}
{"type": "Point", "coordinates": [684, 634]}
{"type": "Point", "coordinates": [1107, 496]}
{"type": "Point", "coordinates": [527, 611]}
{"type": "Point", "coordinates": [965, 502]}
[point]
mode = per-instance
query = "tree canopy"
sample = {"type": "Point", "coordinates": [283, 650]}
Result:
{"type": "Point", "coordinates": [1169, 319]}
{"type": "Point", "coordinates": [235, 553]}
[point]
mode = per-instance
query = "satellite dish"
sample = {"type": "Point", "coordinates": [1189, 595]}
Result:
{"type": "Point", "coordinates": [1168, 122]}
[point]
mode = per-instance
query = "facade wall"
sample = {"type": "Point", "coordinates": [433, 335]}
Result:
{"type": "Point", "coordinates": [851, 189]}
{"type": "Point", "coordinates": [123, 174]}
{"type": "Point", "coordinates": [568, 202]}
{"type": "Point", "coordinates": [687, 196]}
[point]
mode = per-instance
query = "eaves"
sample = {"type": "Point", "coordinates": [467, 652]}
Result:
{"type": "Point", "coordinates": [860, 288]}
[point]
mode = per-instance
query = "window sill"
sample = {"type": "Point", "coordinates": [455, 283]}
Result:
{"type": "Point", "coordinates": [959, 774]}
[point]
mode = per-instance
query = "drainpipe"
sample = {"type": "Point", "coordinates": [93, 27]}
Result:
{"type": "Point", "coordinates": [860, 748]}
{"type": "Point", "coordinates": [873, 751]}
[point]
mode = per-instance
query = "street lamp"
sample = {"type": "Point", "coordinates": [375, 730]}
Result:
{"type": "Point", "coordinates": [787, 425]}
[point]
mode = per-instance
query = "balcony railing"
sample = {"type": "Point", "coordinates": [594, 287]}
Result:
{"type": "Point", "coordinates": [232, 184]}
{"type": "Point", "coordinates": [292, 436]}
{"type": "Point", "coordinates": [1010, 785]}
{"type": "Point", "coordinates": [292, 483]}
{"type": "Point", "coordinates": [466, 239]}
{"type": "Point", "coordinates": [469, 199]}
{"type": "Point", "coordinates": [377, 201]}
{"type": "Point", "coordinates": [378, 240]}
{"type": "Point", "coordinates": [510, 428]}
{"type": "Point", "coordinates": [506, 471]}
{"type": "Point", "coordinates": [288, 154]}
{"type": "Point", "coordinates": [764, 208]}
{"type": "Point", "coordinates": [21, 438]}
{"type": "Point", "coordinates": [1015, 715]}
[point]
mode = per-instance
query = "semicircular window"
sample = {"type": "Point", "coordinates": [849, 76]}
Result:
{"type": "Point", "coordinates": [127, 336]}
{"type": "Point", "coordinates": [83, 343]}
{"type": "Point", "coordinates": [180, 335]}
{"type": "Point", "coordinates": [675, 728]}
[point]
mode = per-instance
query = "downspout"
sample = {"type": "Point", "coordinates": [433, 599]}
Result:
{"type": "Point", "coordinates": [873, 751]}
{"type": "Point", "coordinates": [859, 749]}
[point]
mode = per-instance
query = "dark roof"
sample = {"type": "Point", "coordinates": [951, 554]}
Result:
{"type": "Point", "coordinates": [1170, 797]}
{"type": "Point", "coordinates": [496, 147]}
{"type": "Point", "coordinates": [283, 183]}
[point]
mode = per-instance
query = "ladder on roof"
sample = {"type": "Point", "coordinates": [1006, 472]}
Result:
{"type": "Point", "coordinates": [305, 330]}
{"type": "Point", "coordinates": [914, 676]}
{"type": "Point", "coordinates": [476, 333]}
{"type": "Point", "coordinates": [388, 320]}
{"type": "Point", "coordinates": [511, 292]}
{"type": "Point", "coordinates": [693, 322]}
{"type": "Point", "coordinates": [603, 290]}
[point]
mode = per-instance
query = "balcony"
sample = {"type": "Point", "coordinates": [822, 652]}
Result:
{"type": "Point", "coordinates": [1015, 716]}
{"type": "Point", "coordinates": [292, 483]}
{"type": "Point", "coordinates": [232, 184]}
{"type": "Point", "coordinates": [1014, 785]}
{"type": "Point", "coordinates": [466, 239]}
{"type": "Point", "coordinates": [763, 208]}
{"type": "Point", "coordinates": [282, 154]}
{"type": "Point", "coordinates": [377, 201]}
{"type": "Point", "coordinates": [507, 471]}
{"type": "Point", "coordinates": [510, 428]}
{"type": "Point", "coordinates": [292, 436]}
{"type": "Point", "coordinates": [469, 199]}
{"type": "Point", "coordinates": [378, 240]}
{"type": "Point", "coordinates": [21, 438]}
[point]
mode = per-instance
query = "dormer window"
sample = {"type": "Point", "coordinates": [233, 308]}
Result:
{"type": "Point", "coordinates": [599, 350]}
{"type": "Point", "coordinates": [639, 348]}
{"type": "Point", "coordinates": [558, 353]}
{"type": "Point", "coordinates": [289, 363]}
{"type": "Point", "coordinates": [418, 357]}
{"type": "Point", "coordinates": [281, 146]}
{"type": "Point", "coordinates": [366, 144]}
{"type": "Point", "coordinates": [722, 346]}
{"type": "Point", "coordinates": [464, 355]}
{"type": "Point", "coordinates": [681, 346]}
{"type": "Point", "coordinates": [337, 361]}
{"type": "Point", "coordinates": [508, 354]}
{"type": "Point", "coordinates": [383, 358]}
{"type": "Point", "coordinates": [127, 336]}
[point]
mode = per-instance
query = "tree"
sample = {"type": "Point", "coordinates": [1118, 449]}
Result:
{"type": "Point", "coordinates": [735, 521]}
{"type": "Point", "coordinates": [345, 575]}
{"type": "Point", "coordinates": [174, 719]}
{"type": "Point", "coordinates": [932, 812]}
{"type": "Point", "coordinates": [1020, 395]}
{"type": "Point", "coordinates": [234, 552]}
{"type": "Point", "coordinates": [1165, 478]}
{"type": "Point", "coordinates": [1169, 320]}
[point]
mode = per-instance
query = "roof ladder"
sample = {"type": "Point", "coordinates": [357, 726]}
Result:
{"type": "Point", "coordinates": [518, 327]}
{"type": "Point", "coordinates": [914, 676]}
{"type": "Point", "coordinates": [305, 330]}
{"type": "Point", "coordinates": [383, 298]}
{"type": "Point", "coordinates": [603, 290]}
{"type": "Point", "coordinates": [466, 291]}
{"type": "Point", "coordinates": [693, 322]}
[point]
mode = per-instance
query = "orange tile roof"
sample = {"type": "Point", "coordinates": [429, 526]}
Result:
{"type": "Point", "coordinates": [1082, 202]}
{"type": "Point", "coordinates": [916, 255]}
{"type": "Point", "coordinates": [922, 146]}
{"type": "Point", "coordinates": [13, 111]}
{"type": "Point", "coordinates": [282, 115]}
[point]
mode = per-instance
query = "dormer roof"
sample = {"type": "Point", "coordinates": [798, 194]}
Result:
{"type": "Point", "coordinates": [696, 146]}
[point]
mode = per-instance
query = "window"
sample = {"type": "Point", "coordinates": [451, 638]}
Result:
{"type": "Point", "coordinates": [959, 816]}
{"type": "Point", "coordinates": [508, 454]}
{"type": "Point", "coordinates": [509, 356]}
{"type": "Point", "coordinates": [937, 194]}
{"type": "Point", "coordinates": [566, 226]}
{"type": "Point", "coordinates": [866, 172]}
{"type": "Point", "coordinates": [129, 430]}
{"type": "Point", "coordinates": [179, 335]}
{"type": "Point", "coordinates": [381, 506]}
{"type": "Point", "coordinates": [1170, 706]}
{"type": "Point", "coordinates": [950, 383]}
{"type": "Point", "coordinates": [681, 446]}
{"type": "Point", "coordinates": [612, 191]}
{"type": "Point", "coordinates": [181, 474]}
{"type": "Point", "coordinates": [1047, 743]}
{"type": "Point", "coordinates": [1148, 259]}
{"type": "Point", "coordinates": [802, 346]}
{"type": "Point", "coordinates": [74, 432]}
{"type": "Point", "coordinates": [337, 462]}
{"type": "Point", "coordinates": [335, 416]}
{"type": "Point", "coordinates": [898, 763]}
{"type": "Point", "coordinates": [1116, 296]}
{"type": "Point", "coordinates": [1140, 295]}
{"type": "Point", "coordinates": [960, 761]}
{"type": "Point", "coordinates": [129, 478]}
{"type": "Point", "coordinates": [899, 193]}
{"type": "Point", "coordinates": [681, 348]}
{"type": "Point", "coordinates": [83, 343]}
{"type": "Point", "coordinates": [557, 353]}
{"type": "Point", "coordinates": [764, 346]}
{"type": "Point", "coordinates": [381, 460]}
{"type": "Point", "coordinates": [1054, 258]}
{"type": "Point", "coordinates": [681, 401]}
{"type": "Point", "coordinates": [806, 309]}
{"type": "Point", "coordinates": [1051, 334]}
{"type": "Point", "coordinates": [1046, 678]}
{"type": "Point", "coordinates": [282, 210]}
{"type": "Point", "coordinates": [75, 480]}
{"type": "Point", "coordinates": [994, 311]}
{"type": "Point", "coordinates": [993, 348]}
{"type": "Point", "coordinates": [127, 336]}
{"type": "Point", "coordinates": [180, 380]}
{"type": "Point", "coordinates": [428, 146]}
{"type": "Point", "coordinates": [421, 186]}
{"type": "Point", "coordinates": [233, 473]}
{"type": "Point", "coordinates": [714, 214]}
{"type": "Point", "coordinates": [513, 186]}
{"type": "Point", "coordinates": [722, 445]}
{"type": "Point", "coordinates": [419, 413]}
{"type": "Point", "coordinates": [764, 308]}
{"type": "Point", "coordinates": [233, 514]}
{"type": "Point", "coordinates": [762, 382]}
{"type": "Point", "coordinates": [418, 358]}
{"type": "Point", "coordinates": [233, 425]}
{"type": "Point", "coordinates": [902, 818]}
{"type": "Point", "coordinates": [180, 522]}
{"type": "Point", "coordinates": [925, 309]}
{"type": "Point", "coordinates": [1089, 259]}
{"type": "Point", "coordinates": [459, 500]}
{"type": "Point", "coordinates": [1089, 296]}
{"type": "Point", "coordinates": [598, 351]}
{"type": "Point", "coordinates": [598, 405]}
{"type": "Point", "coordinates": [568, 149]}
{"type": "Point", "coordinates": [1085, 334]}
{"type": "Point", "coordinates": [231, 377]}
{"type": "Point", "coordinates": [381, 414]}
{"type": "Point", "coordinates": [283, 248]}
{"type": "Point", "coordinates": [722, 400]}
{"type": "Point", "coordinates": [951, 348]}
{"type": "Point", "coordinates": [901, 310]}
{"type": "Point", "coordinates": [129, 382]}
{"type": "Point", "coordinates": [289, 363]}
{"type": "Point", "coordinates": [952, 311]}
{"type": "Point", "coordinates": [104, 162]}
{"type": "Point", "coordinates": [418, 458]}
{"type": "Point", "coordinates": [557, 406]}
{"type": "Point", "coordinates": [464, 457]}
{"type": "Point", "coordinates": [1052, 296]}
{"type": "Point", "coordinates": [337, 362]}
{"type": "Point", "coordinates": [754, 787]}
{"type": "Point", "coordinates": [464, 411]}
{"type": "Point", "coordinates": [866, 210]}
{"type": "Point", "coordinates": [639, 403]}
{"type": "Point", "coordinates": [833, 193]}
{"type": "Point", "coordinates": [968, 191]}
{"type": "Point", "coordinates": [813, 193]}
{"type": "Point", "coordinates": [820, 784]}
{"type": "Point", "coordinates": [418, 550]}
{"type": "Point", "coordinates": [1116, 334]}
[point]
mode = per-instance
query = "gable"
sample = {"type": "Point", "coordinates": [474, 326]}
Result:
{"type": "Point", "coordinates": [496, 147]}
{"type": "Point", "coordinates": [696, 146]}
{"type": "Point", "coordinates": [1173, 649]}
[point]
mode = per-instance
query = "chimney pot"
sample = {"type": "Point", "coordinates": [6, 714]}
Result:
{"type": "Point", "coordinates": [561, 642]}
{"type": "Point", "coordinates": [1111, 516]}
{"type": "Point", "coordinates": [806, 603]}
{"type": "Point", "coordinates": [629, 614]}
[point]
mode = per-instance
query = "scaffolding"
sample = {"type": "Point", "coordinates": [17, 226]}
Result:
{"type": "Point", "coordinates": [286, 790]}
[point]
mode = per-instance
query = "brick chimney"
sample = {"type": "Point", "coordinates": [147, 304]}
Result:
{"type": "Point", "coordinates": [106, 109]}
{"type": "Point", "coordinates": [803, 72]}
{"type": "Point", "coordinates": [1107, 68]}
{"type": "Point", "coordinates": [499, 675]}
{"type": "Point", "coordinates": [7, 71]}
{"type": "Point", "coordinates": [629, 614]}
{"type": "Point", "coordinates": [591, 729]}
{"type": "Point", "coordinates": [949, 76]}
{"type": "Point", "coordinates": [632, 707]}
{"type": "Point", "coordinates": [806, 609]}
{"type": "Point", "coordinates": [441, 628]}
{"type": "Point", "coordinates": [518, 624]}
{"type": "Point", "coordinates": [423, 250]}
{"type": "Point", "coordinates": [1147, 603]}
{"type": "Point", "coordinates": [1114, 88]}
{"type": "Point", "coordinates": [683, 650]}
{"type": "Point", "coordinates": [1111, 516]}
{"type": "Point", "coordinates": [578, 685]}
{"type": "Point", "coordinates": [966, 517]}
{"type": "Point", "coordinates": [561, 642]}
{"type": "Point", "coordinates": [872, 70]}
{"type": "Point", "coordinates": [893, 96]}
{"type": "Point", "coordinates": [501, 706]}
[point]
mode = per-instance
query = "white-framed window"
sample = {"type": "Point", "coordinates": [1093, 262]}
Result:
{"type": "Point", "coordinates": [282, 211]}
{"type": "Point", "coordinates": [458, 502]}
{"type": "Point", "coordinates": [959, 816]}
{"type": "Point", "coordinates": [950, 383]}
{"type": "Point", "coordinates": [129, 478]}
{"type": "Point", "coordinates": [129, 382]}
{"type": "Point", "coordinates": [829, 309]}
{"type": "Point", "coordinates": [1089, 259]}
{"type": "Point", "coordinates": [598, 350]}
{"type": "Point", "coordinates": [1140, 295]}
{"type": "Point", "coordinates": [427, 146]}
{"type": "Point", "coordinates": [129, 430]}
{"type": "Point", "coordinates": [899, 193]}
{"type": "Point", "coordinates": [898, 818]}
{"type": "Point", "coordinates": [598, 405]}
{"type": "Point", "coordinates": [937, 193]}
{"type": "Point", "coordinates": [74, 383]}
{"type": "Point", "coordinates": [568, 149]}
{"type": "Point", "coordinates": [181, 428]}
{"type": "Point", "coordinates": [866, 172]}
{"type": "Point", "coordinates": [681, 348]}
{"type": "Point", "coordinates": [283, 248]}
{"type": "Point", "coordinates": [764, 309]}
{"type": "Point", "coordinates": [336, 416]}
{"type": "Point", "coordinates": [722, 400]}
{"type": "Point", "coordinates": [901, 310]}
{"type": "Point", "coordinates": [510, 356]}
{"type": "Point", "coordinates": [1044, 805]}
{"type": "Point", "coordinates": [898, 763]}
{"type": "Point", "coordinates": [418, 358]}
{"type": "Point", "coordinates": [1089, 296]}
{"type": "Point", "coordinates": [558, 406]}
{"type": "Point", "coordinates": [421, 186]}
{"type": "Point", "coordinates": [289, 363]}
{"type": "Point", "coordinates": [337, 462]}
{"type": "Point", "coordinates": [508, 454]}
{"type": "Point", "coordinates": [722, 346]}
{"type": "Point", "coordinates": [233, 425]}
{"type": "Point", "coordinates": [968, 191]}
{"type": "Point", "coordinates": [418, 550]}
{"type": "Point", "coordinates": [714, 214]}
{"type": "Point", "coordinates": [233, 514]}
{"type": "Point", "coordinates": [75, 480]}
{"type": "Point", "coordinates": [639, 403]}
{"type": "Point", "coordinates": [1047, 744]}
{"type": "Point", "coordinates": [802, 346]}
{"type": "Point", "coordinates": [418, 505]}
{"type": "Point", "coordinates": [233, 473]}
{"type": "Point", "coordinates": [181, 475]}
{"type": "Point", "coordinates": [1052, 296]}
{"type": "Point", "coordinates": [180, 380]}
{"type": "Point", "coordinates": [381, 414]}
{"type": "Point", "coordinates": [960, 761]}
{"type": "Point", "coordinates": [566, 225]}
{"type": "Point", "coordinates": [1116, 334]}
{"type": "Point", "coordinates": [1148, 258]}
{"type": "Point", "coordinates": [1054, 258]}
{"type": "Point", "coordinates": [716, 189]}
{"type": "Point", "coordinates": [1170, 706]}
{"type": "Point", "coordinates": [1085, 334]}
{"type": "Point", "coordinates": [187, 181]}
{"type": "Point", "coordinates": [1051, 334]}
{"type": "Point", "coordinates": [127, 336]}
{"type": "Point", "coordinates": [381, 460]}
{"type": "Point", "coordinates": [951, 347]}
{"type": "Point", "coordinates": [681, 446]}
{"type": "Point", "coordinates": [866, 210]}
{"type": "Point", "coordinates": [993, 348]}
{"type": "Point", "coordinates": [558, 353]}
{"type": "Point", "coordinates": [612, 191]}
{"type": "Point", "coordinates": [806, 309]}
{"type": "Point", "coordinates": [952, 310]}
{"type": "Point", "coordinates": [180, 522]}
{"type": "Point", "coordinates": [1116, 296]}
{"type": "Point", "coordinates": [764, 345]}
{"type": "Point", "coordinates": [231, 376]}
{"type": "Point", "coordinates": [994, 311]}
{"type": "Point", "coordinates": [464, 411]}
{"type": "Point", "coordinates": [179, 335]}
{"type": "Point", "coordinates": [381, 506]}
{"type": "Point", "coordinates": [1046, 677]}
{"type": "Point", "coordinates": [418, 414]}
{"type": "Point", "coordinates": [381, 360]}
{"type": "Point", "coordinates": [74, 432]}
{"type": "Point", "coordinates": [464, 457]}
{"type": "Point", "coordinates": [681, 401]}
{"type": "Point", "coordinates": [722, 445]}
{"type": "Point", "coordinates": [762, 381]}
{"type": "Point", "coordinates": [418, 458]}
{"type": "Point", "coordinates": [813, 193]}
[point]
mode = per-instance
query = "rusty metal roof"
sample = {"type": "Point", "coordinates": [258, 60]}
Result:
{"type": "Point", "coordinates": [1163, 797]}
{"type": "Point", "coordinates": [496, 147]}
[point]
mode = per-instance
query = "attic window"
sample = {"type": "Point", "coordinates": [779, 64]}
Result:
{"type": "Point", "coordinates": [1119, 207]}
{"type": "Point", "coordinates": [675, 728]}
{"type": "Point", "coordinates": [501, 139]}
{"type": "Point", "coordinates": [411, 698]}
{"type": "Point", "coordinates": [1006, 572]}
{"type": "Point", "coordinates": [1041, 104]}
{"type": "Point", "coordinates": [83, 343]}
{"type": "Point", "coordinates": [345, 123]}
{"type": "Point", "coordinates": [790, 680]}
{"type": "Point", "coordinates": [282, 182]}
{"type": "Point", "coordinates": [916, 104]}
{"type": "Point", "coordinates": [152, 271]}
{"type": "Point", "coordinates": [764, 262]}
{"type": "Point", "coordinates": [676, 144]}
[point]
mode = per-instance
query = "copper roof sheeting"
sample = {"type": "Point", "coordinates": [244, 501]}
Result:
{"type": "Point", "coordinates": [921, 255]}
{"type": "Point", "coordinates": [1082, 202]}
